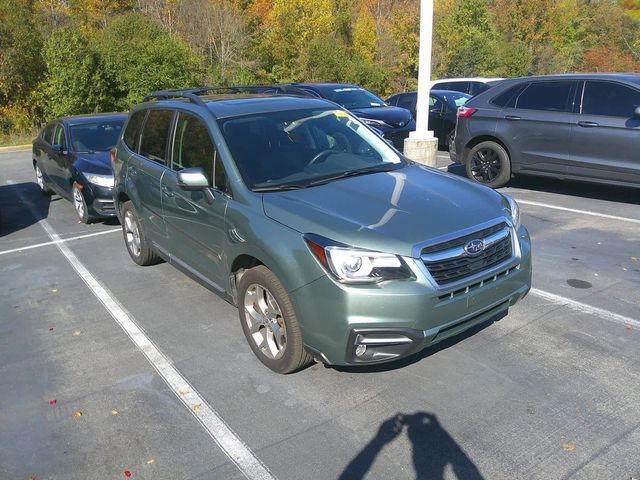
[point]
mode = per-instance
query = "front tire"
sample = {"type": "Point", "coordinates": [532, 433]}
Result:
{"type": "Point", "coordinates": [269, 322]}
{"type": "Point", "coordinates": [134, 238]}
{"type": "Point", "coordinates": [489, 164]}
{"type": "Point", "coordinates": [80, 204]}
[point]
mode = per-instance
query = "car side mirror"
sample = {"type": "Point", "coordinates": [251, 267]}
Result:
{"type": "Point", "coordinates": [194, 179]}
{"type": "Point", "coordinates": [636, 112]}
{"type": "Point", "coordinates": [58, 149]}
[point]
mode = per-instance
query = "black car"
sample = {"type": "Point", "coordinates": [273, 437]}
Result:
{"type": "Point", "coordinates": [391, 122]}
{"type": "Point", "coordinates": [71, 157]}
{"type": "Point", "coordinates": [443, 107]}
{"type": "Point", "coordinates": [581, 126]}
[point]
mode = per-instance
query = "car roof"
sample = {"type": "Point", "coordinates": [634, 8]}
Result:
{"type": "Point", "coordinates": [629, 77]}
{"type": "Point", "coordinates": [467, 79]}
{"type": "Point", "coordinates": [234, 105]}
{"type": "Point", "coordinates": [93, 117]}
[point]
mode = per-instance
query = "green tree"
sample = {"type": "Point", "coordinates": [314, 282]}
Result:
{"type": "Point", "coordinates": [74, 83]}
{"type": "Point", "coordinates": [138, 56]}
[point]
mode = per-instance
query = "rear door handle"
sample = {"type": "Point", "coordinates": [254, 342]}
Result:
{"type": "Point", "coordinates": [588, 124]}
{"type": "Point", "coordinates": [512, 117]}
{"type": "Point", "coordinates": [167, 191]}
{"type": "Point", "coordinates": [133, 172]}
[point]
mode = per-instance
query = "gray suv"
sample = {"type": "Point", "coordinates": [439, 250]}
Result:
{"type": "Point", "coordinates": [331, 244]}
{"type": "Point", "coordinates": [582, 126]}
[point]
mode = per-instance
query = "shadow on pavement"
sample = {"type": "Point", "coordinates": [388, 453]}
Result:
{"type": "Point", "coordinates": [611, 193]}
{"type": "Point", "coordinates": [22, 205]}
{"type": "Point", "coordinates": [433, 449]}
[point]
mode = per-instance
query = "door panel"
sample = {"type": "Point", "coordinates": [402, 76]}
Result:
{"type": "Point", "coordinates": [60, 163]}
{"type": "Point", "coordinates": [538, 127]}
{"type": "Point", "coordinates": [605, 140]}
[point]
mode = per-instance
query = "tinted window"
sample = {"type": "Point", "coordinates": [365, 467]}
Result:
{"type": "Point", "coordinates": [407, 101]}
{"type": "Point", "coordinates": [154, 136]}
{"type": "Point", "coordinates": [508, 97]}
{"type": "Point", "coordinates": [435, 104]}
{"type": "Point", "coordinates": [353, 97]}
{"type": "Point", "coordinates": [58, 137]}
{"type": "Point", "coordinates": [455, 86]}
{"type": "Point", "coordinates": [478, 87]}
{"type": "Point", "coordinates": [193, 147]}
{"type": "Point", "coordinates": [132, 132]}
{"type": "Point", "coordinates": [549, 96]}
{"type": "Point", "coordinates": [95, 137]}
{"type": "Point", "coordinates": [610, 99]}
{"type": "Point", "coordinates": [47, 133]}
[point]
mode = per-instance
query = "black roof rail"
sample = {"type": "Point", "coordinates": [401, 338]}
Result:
{"type": "Point", "coordinates": [193, 94]}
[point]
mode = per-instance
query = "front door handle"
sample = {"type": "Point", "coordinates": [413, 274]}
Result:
{"type": "Point", "coordinates": [132, 171]}
{"type": "Point", "coordinates": [167, 192]}
{"type": "Point", "coordinates": [512, 117]}
{"type": "Point", "coordinates": [588, 124]}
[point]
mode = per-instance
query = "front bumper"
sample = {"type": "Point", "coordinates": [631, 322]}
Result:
{"type": "Point", "coordinates": [397, 318]}
{"type": "Point", "coordinates": [99, 200]}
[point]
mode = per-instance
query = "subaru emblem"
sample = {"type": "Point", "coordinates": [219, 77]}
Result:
{"type": "Point", "coordinates": [474, 247]}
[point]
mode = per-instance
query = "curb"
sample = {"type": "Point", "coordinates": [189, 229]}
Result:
{"type": "Point", "coordinates": [15, 148]}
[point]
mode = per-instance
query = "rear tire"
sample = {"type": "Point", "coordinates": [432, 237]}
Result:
{"type": "Point", "coordinates": [489, 164]}
{"type": "Point", "coordinates": [269, 322]}
{"type": "Point", "coordinates": [134, 238]}
{"type": "Point", "coordinates": [40, 180]}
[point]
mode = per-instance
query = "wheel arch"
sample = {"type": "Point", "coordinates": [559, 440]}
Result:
{"type": "Point", "coordinates": [485, 138]}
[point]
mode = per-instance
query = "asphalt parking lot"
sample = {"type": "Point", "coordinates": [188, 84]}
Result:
{"type": "Point", "coordinates": [152, 378]}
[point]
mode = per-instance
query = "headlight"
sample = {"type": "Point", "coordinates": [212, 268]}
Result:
{"type": "Point", "coordinates": [100, 180]}
{"type": "Point", "coordinates": [373, 123]}
{"type": "Point", "coordinates": [352, 265]}
{"type": "Point", "coordinates": [513, 210]}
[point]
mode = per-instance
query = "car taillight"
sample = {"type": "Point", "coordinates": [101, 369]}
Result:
{"type": "Point", "coordinates": [465, 112]}
{"type": "Point", "coordinates": [112, 155]}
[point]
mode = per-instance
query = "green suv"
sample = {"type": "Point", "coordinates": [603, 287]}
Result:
{"type": "Point", "coordinates": [331, 244]}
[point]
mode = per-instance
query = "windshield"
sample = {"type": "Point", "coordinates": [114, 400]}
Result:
{"type": "Point", "coordinates": [456, 98]}
{"type": "Point", "coordinates": [353, 97]}
{"type": "Point", "coordinates": [301, 148]}
{"type": "Point", "coordinates": [95, 137]}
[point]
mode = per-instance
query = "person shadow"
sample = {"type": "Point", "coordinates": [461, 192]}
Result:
{"type": "Point", "coordinates": [433, 449]}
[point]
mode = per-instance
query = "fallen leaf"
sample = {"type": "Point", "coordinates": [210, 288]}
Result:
{"type": "Point", "coordinates": [32, 477]}
{"type": "Point", "coordinates": [54, 290]}
{"type": "Point", "coordinates": [52, 401]}
{"type": "Point", "coordinates": [183, 392]}
{"type": "Point", "coordinates": [51, 329]}
{"type": "Point", "coordinates": [76, 333]}
{"type": "Point", "coordinates": [114, 411]}
{"type": "Point", "coordinates": [569, 447]}
{"type": "Point", "coordinates": [77, 414]}
{"type": "Point", "coordinates": [629, 327]}
{"type": "Point", "coordinates": [127, 473]}
{"type": "Point", "coordinates": [635, 259]}
{"type": "Point", "coordinates": [196, 407]}
{"type": "Point", "coordinates": [149, 462]}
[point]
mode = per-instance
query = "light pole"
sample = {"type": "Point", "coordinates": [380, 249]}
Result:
{"type": "Point", "coordinates": [421, 145]}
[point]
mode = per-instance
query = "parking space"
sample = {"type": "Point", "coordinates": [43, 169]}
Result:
{"type": "Point", "coordinates": [550, 391]}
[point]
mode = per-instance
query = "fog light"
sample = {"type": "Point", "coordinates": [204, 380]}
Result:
{"type": "Point", "coordinates": [360, 349]}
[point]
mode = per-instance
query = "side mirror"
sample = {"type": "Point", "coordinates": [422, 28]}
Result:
{"type": "Point", "coordinates": [636, 112]}
{"type": "Point", "coordinates": [194, 179]}
{"type": "Point", "coordinates": [58, 149]}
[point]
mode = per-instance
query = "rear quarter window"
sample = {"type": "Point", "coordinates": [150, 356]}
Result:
{"type": "Point", "coordinates": [132, 132]}
{"type": "Point", "coordinates": [507, 99]}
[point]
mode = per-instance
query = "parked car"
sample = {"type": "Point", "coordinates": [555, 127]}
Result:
{"type": "Point", "coordinates": [443, 108]}
{"type": "Point", "coordinates": [583, 127]}
{"type": "Point", "coordinates": [472, 86]}
{"type": "Point", "coordinates": [393, 123]}
{"type": "Point", "coordinates": [71, 158]}
{"type": "Point", "coordinates": [331, 244]}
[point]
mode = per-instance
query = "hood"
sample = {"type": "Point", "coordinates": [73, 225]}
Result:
{"type": "Point", "coordinates": [387, 211]}
{"type": "Point", "coordinates": [97, 162]}
{"type": "Point", "coordinates": [394, 116]}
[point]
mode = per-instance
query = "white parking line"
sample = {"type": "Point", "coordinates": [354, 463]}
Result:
{"type": "Point", "coordinates": [584, 308]}
{"type": "Point", "coordinates": [62, 240]}
{"type": "Point", "coordinates": [583, 212]}
{"type": "Point", "coordinates": [218, 430]}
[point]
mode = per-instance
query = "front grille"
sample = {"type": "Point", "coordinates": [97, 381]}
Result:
{"type": "Point", "coordinates": [448, 270]}
{"type": "Point", "coordinates": [107, 206]}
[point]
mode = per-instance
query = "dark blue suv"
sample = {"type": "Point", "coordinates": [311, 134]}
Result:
{"type": "Point", "coordinates": [393, 123]}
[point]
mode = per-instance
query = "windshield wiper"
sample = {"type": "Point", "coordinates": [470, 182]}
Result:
{"type": "Point", "coordinates": [277, 188]}
{"type": "Point", "coordinates": [385, 167]}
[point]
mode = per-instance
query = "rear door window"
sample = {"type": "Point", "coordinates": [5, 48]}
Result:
{"type": "Point", "coordinates": [548, 96]}
{"type": "Point", "coordinates": [609, 99]}
{"type": "Point", "coordinates": [47, 133]}
{"type": "Point", "coordinates": [132, 132]}
{"type": "Point", "coordinates": [59, 137]}
{"type": "Point", "coordinates": [454, 86]}
{"type": "Point", "coordinates": [155, 134]}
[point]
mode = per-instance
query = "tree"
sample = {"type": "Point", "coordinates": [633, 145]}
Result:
{"type": "Point", "coordinates": [138, 56]}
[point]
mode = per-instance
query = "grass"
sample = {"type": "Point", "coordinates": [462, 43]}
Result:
{"type": "Point", "coordinates": [14, 139]}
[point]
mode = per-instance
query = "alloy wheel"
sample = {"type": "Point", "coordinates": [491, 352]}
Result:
{"type": "Point", "coordinates": [39, 178]}
{"type": "Point", "coordinates": [78, 202]}
{"type": "Point", "coordinates": [132, 233]}
{"type": "Point", "coordinates": [485, 165]}
{"type": "Point", "coordinates": [265, 321]}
